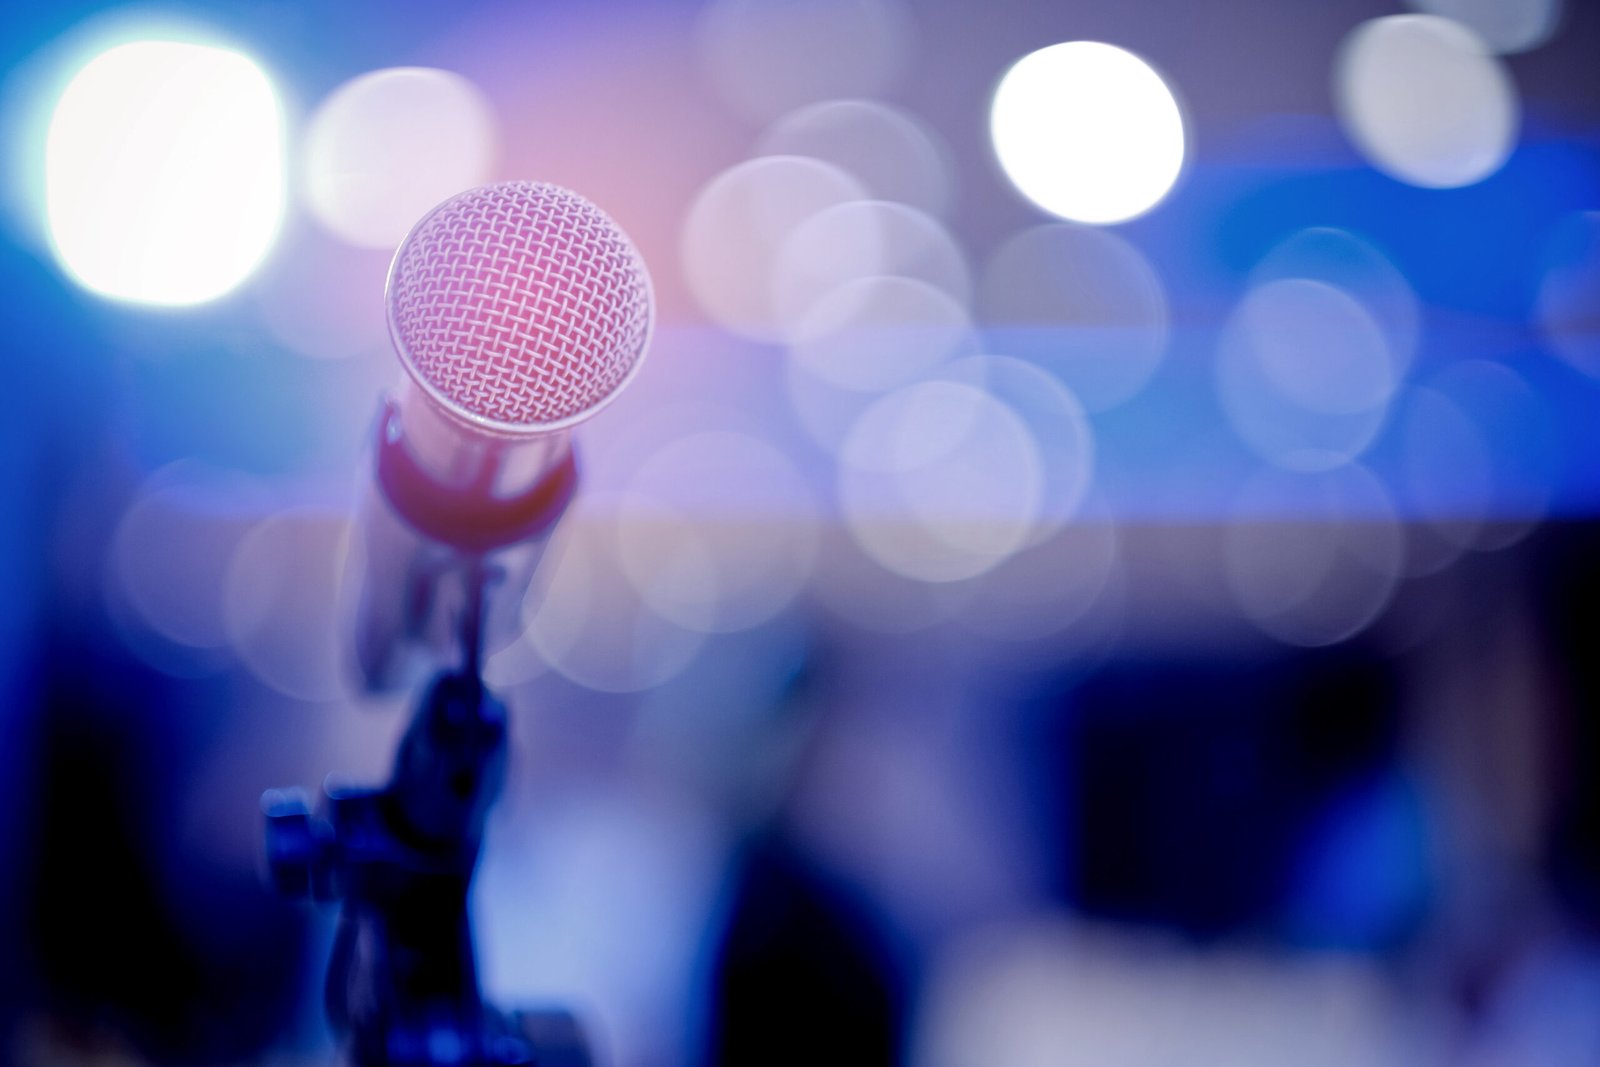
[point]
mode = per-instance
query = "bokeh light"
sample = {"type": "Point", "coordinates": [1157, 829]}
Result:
{"type": "Point", "coordinates": [1525, 454]}
{"type": "Point", "coordinates": [767, 59]}
{"type": "Point", "coordinates": [1568, 308]}
{"type": "Point", "coordinates": [854, 587]}
{"type": "Point", "coordinates": [720, 533]}
{"type": "Point", "coordinates": [173, 546]}
{"type": "Point", "coordinates": [281, 603]}
{"type": "Point", "coordinates": [876, 333]}
{"type": "Point", "coordinates": [824, 411]}
{"type": "Point", "coordinates": [1446, 480]}
{"type": "Point", "coordinates": [940, 481]}
{"type": "Point", "coordinates": [1425, 101]}
{"type": "Point", "coordinates": [1051, 585]}
{"type": "Point", "coordinates": [1043, 992]}
{"type": "Point", "coordinates": [1054, 596]}
{"type": "Point", "coordinates": [1087, 131]}
{"type": "Point", "coordinates": [164, 172]}
{"type": "Point", "coordinates": [1318, 346]}
{"type": "Point", "coordinates": [515, 664]}
{"type": "Point", "coordinates": [1358, 268]}
{"type": "Point", "coordinates": [865, 239]}
{"type": "Point", "coordinates": [1313, 559]}
{"type": "Point", "coordinates": [1504, 25]}
{"type": "Point", "coordinates": [864, 339]}
{"type": "Point", "coordinates": [892, 154]}
{"type": "Point", "coordinates": [1056, 421]}
{"type": "Point", "coordinates": [1082, 303]}
{"type": "Point", "coordinates": [737, 228]}
{"type": "Point", "coordinates": [386, 147]}
{"type": "Point", "coordinates": [1304, 374]}
{"type": "Point", "coordinates": [587, 619]}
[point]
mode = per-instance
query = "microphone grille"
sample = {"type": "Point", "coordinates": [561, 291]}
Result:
{"type": "Point", "coordinates": [520, 307]}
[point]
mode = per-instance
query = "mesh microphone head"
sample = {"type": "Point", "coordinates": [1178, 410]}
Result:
{"type": "Point", "coordinates": [519, 307]}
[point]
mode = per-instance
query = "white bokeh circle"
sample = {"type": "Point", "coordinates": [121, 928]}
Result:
{"type": "Point", "coordinates": [1425, 101]}
{"type": "Point", "coordinates": [386, 147]}
{"type": "Point", "coordinates": [1088, 131]}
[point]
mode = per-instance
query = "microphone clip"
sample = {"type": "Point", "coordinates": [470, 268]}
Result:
{"type": "Point", "coordinates": [402, 986]}
{"type": "Point", "coordinates": [469, 518]}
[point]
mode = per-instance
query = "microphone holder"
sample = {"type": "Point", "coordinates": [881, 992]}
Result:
{"type": "Point", "coordinates": [402, 986]}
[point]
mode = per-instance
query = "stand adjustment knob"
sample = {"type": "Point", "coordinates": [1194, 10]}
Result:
{"type": "Point", "coordinates": [297, 845]}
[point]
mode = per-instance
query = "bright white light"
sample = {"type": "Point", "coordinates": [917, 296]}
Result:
{"type": "Point", "coordinates": [388, 146]}
{"type": "Point", "coordinates": [1087, 131]}
{"type": "Point", "coordinates": [164, 172]}
{"type": "Point", "coordinates": [1424, 101]}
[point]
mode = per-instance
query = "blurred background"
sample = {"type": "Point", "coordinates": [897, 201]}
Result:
{"type": "Point", "coordinates": [1098, 568]}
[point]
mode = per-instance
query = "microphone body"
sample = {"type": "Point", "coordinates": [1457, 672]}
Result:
{"type": "Point", "coordinates": [518, 311]}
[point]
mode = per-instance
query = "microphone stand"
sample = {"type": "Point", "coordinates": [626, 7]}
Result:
{"type": "Point", "coordinates": [402, 986]}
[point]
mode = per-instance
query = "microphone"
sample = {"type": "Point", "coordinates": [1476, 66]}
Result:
{"type": "Point", "coordinates": [518, 310]}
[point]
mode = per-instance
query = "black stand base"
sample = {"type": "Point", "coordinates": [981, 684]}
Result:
{"type": "Point", "coordinates": [402, 985]}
